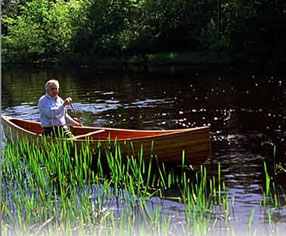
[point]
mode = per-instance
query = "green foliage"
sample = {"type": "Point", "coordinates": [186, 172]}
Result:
{"type": "Point", "coordinates": [104, 28]}
{"type": "Point", "coordinates": [210, 38]}
{"type": "Point", "coordinates": [23, 40]}
{"type": "Point", "coordinates": [81, 30]}
{"type": "Point", "coordinates": [165, 26]}
{"type": "Point", "coordinates": [42, 30]}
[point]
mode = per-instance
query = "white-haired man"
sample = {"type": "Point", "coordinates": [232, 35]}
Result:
{"type": "Point", "coordinates": [54, 116]}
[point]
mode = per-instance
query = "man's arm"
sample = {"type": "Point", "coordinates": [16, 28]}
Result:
{"type": "Point", "coordinates": [71, 121]}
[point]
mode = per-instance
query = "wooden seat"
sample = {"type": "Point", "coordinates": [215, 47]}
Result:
{"type": "Point", "coordinates": [89, 134]}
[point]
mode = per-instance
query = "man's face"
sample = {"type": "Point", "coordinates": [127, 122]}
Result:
{"type": "Point", "coordinates": [53, 91]}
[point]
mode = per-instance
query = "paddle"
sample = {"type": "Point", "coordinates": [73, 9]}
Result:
{"type": "Point", "coordinates": [75, 113]}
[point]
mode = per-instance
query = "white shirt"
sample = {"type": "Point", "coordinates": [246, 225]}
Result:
{"type": "Point", "coordinates": [53, 112]}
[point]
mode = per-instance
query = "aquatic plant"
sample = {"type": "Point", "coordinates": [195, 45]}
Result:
{"type": "Point", "coordinates": [58, 188]}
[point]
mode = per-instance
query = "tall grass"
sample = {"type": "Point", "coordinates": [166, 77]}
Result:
{"type": "Point", "coordinates": [271, 194]}
{"type": "Point", "coordinates": [61, 189]}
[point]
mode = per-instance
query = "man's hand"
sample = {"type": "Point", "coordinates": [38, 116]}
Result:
{"type": "Point", "coordinates": [68, 101]}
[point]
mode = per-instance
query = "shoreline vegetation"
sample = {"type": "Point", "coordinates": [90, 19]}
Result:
{"type": "Point", "coordinates": [143, 32]}
{"type": "Point", "coordinates": [166, 61]}
{"type": "Point", "coordinates": [50, 190]}
{"type": "Point", "coordinates": [162, 59]}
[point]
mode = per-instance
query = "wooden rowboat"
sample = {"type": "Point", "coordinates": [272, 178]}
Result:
{"type": "Point", "coordinates": [167, 145]}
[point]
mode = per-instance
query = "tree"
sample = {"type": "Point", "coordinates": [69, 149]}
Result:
{"type": "Point", "coordinates": [42, 30]}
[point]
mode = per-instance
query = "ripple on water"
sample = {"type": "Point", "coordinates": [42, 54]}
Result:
{"type": "Point", "coordinates": [246, 112]}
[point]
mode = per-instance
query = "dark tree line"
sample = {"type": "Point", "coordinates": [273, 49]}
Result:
{"type": "Point", "coordinates": [82, 30]}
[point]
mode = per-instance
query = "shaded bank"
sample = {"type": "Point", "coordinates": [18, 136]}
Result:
{"type": "Point", "coordinates": [198, 60]}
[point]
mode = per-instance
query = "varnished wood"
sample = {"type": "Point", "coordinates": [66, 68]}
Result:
{"type": "Point", "coordinates": [90, 134]}
{"type": "Point", "coordinates": [167, 145]}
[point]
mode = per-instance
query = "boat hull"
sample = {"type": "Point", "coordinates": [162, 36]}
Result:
{"type": "Point", "coordinates": [167, 145]}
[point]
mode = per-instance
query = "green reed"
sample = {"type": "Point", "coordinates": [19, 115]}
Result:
{"type": "Point", "coordinates": [59, 187]}
{"type": "Point", "coordinates": [250, 220]}
{"type": "Point", "coordinates": [271, 194]}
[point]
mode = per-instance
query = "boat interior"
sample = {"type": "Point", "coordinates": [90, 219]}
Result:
{"type": "Point", "coordinates": [82, 132]}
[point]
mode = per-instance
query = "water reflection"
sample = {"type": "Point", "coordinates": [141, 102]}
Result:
{"type": "Point", "coordinates": [246, 110]}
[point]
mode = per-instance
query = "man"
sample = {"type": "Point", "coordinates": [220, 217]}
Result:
{"type": "Point", "coordinates": [53, 110]}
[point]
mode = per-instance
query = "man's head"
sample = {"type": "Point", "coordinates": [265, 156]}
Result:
{"type": "Point", "coordinates": [52, 88]}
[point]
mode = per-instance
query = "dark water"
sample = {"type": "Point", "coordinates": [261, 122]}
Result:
{"type": "Point", "coordinates": [245, 107]}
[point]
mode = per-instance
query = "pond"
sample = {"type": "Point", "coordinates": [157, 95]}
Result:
{"type": "Point", "coordinates": [244, 106]}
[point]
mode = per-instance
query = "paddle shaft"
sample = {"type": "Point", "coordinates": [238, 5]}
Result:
{"type": "Point", "coordinates": [77, 116]}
